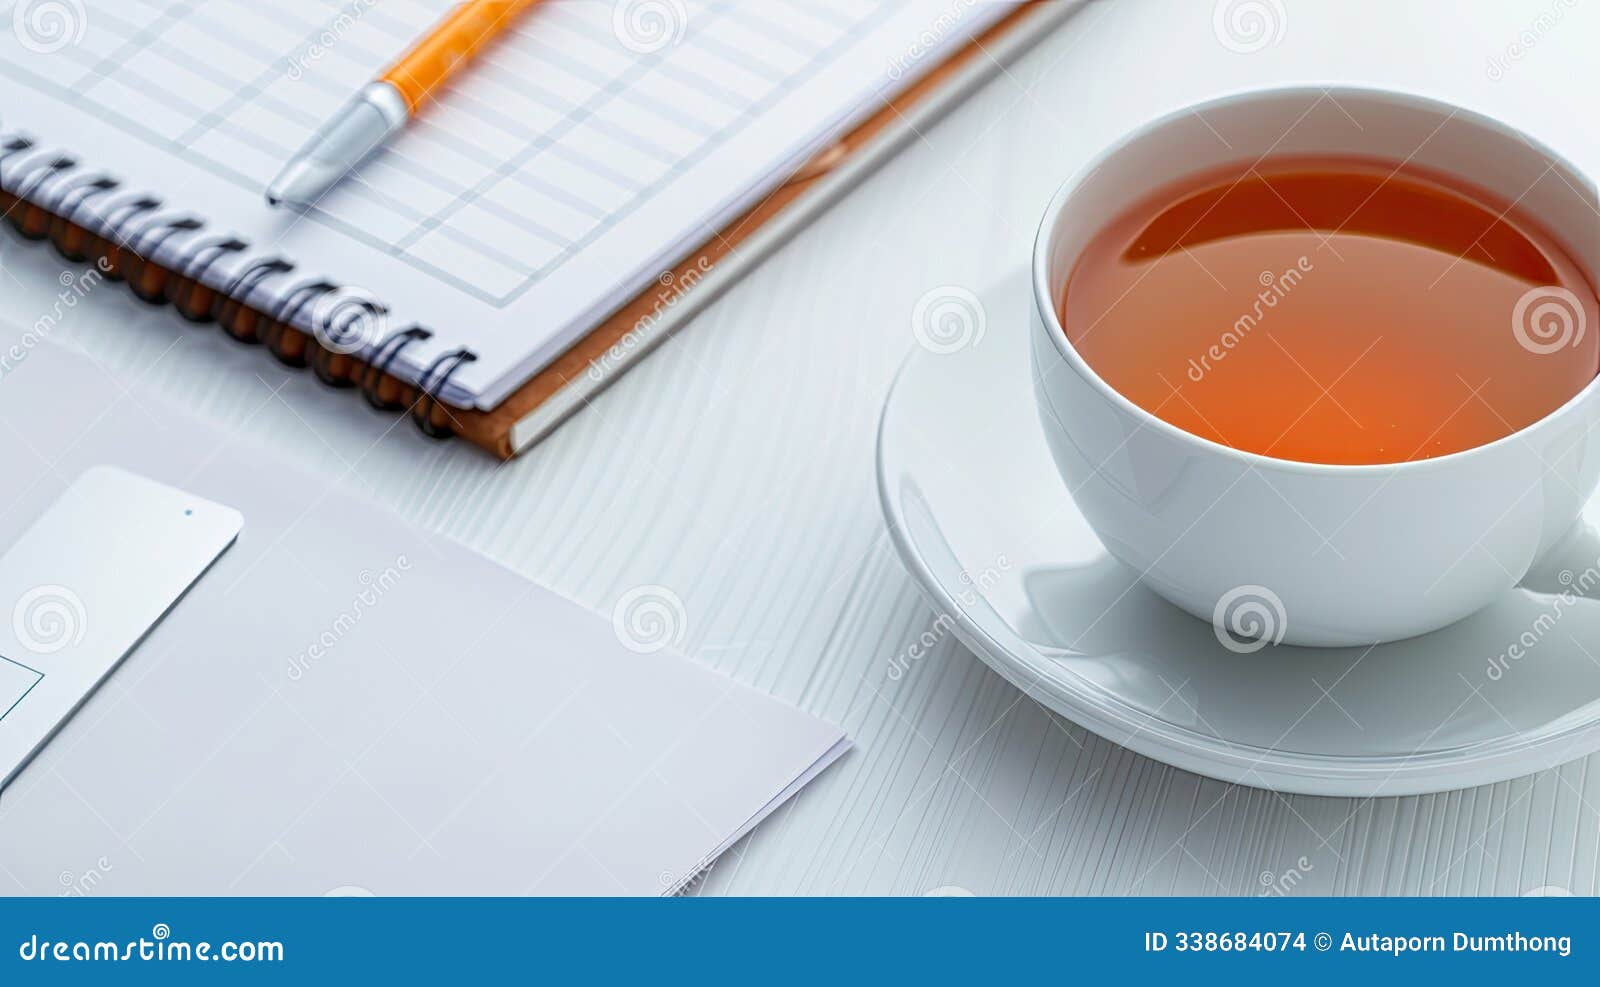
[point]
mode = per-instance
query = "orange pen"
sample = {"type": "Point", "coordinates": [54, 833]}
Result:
{"type": "Point", "coordinates": [384, 105]}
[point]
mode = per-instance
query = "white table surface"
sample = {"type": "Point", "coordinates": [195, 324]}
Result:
{"type": "Point", "coordinates": [735, 468]}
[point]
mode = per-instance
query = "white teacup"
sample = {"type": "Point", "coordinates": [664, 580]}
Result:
{"type": "Point", "coordinates": [1290, 551]}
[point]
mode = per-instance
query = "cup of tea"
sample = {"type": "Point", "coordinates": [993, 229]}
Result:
{"type": "Point", "coordinates": [1320, 363]}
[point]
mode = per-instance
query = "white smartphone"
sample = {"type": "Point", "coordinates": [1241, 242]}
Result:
{"type": "Point", "coordinates": [81, 588]}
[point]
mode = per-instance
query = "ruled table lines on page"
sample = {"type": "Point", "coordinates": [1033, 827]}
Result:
{"type": "Point", "coordinates": [562, 129]}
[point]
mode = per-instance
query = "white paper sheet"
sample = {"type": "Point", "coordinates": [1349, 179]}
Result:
{"type": "Point", "coordinates": [344, 701]}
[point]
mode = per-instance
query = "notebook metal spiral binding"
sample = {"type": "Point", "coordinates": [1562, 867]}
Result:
{"type": "Point", "coordinates": [189, 294]}
{"type": "Point", "coordinates": [146, 279]}
{"type": "Point", "coordinates": [379, 365]}
{"type": "Point", "coordinates": [36, 184]}
{"type": "Point", "coordinates": [123, 216]}
{"type": "Point", "coordinates": [123, 237]}
{"type": "Point", "coordinates": [63, 230]}
{"type": "Point", "coordinates": [243, 322]}
{"type": "Point", "coordinates": [347, 318]}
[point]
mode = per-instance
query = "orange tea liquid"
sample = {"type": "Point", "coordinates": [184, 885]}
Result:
{"type": "Point", "coordinates": [1334, 311]}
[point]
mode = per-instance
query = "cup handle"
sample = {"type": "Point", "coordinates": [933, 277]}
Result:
{"type": "Point", "coordinates": [1571, 565]}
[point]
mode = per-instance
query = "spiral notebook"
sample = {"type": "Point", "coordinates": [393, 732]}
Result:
{"type": "Point", "coordinates": [500, 261]}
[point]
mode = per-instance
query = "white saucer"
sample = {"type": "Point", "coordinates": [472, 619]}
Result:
{"type": "Point", "coordinates": [987, 528]}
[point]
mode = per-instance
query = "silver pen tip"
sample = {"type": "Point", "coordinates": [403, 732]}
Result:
{"type": "Point", "coordinates": [300, 183]}
{"type": "Point", "coordinates": [360, 126]}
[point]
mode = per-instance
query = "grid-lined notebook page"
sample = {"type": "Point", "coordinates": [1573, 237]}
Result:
{"type": "Point", "coordinates": [585, 151]}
